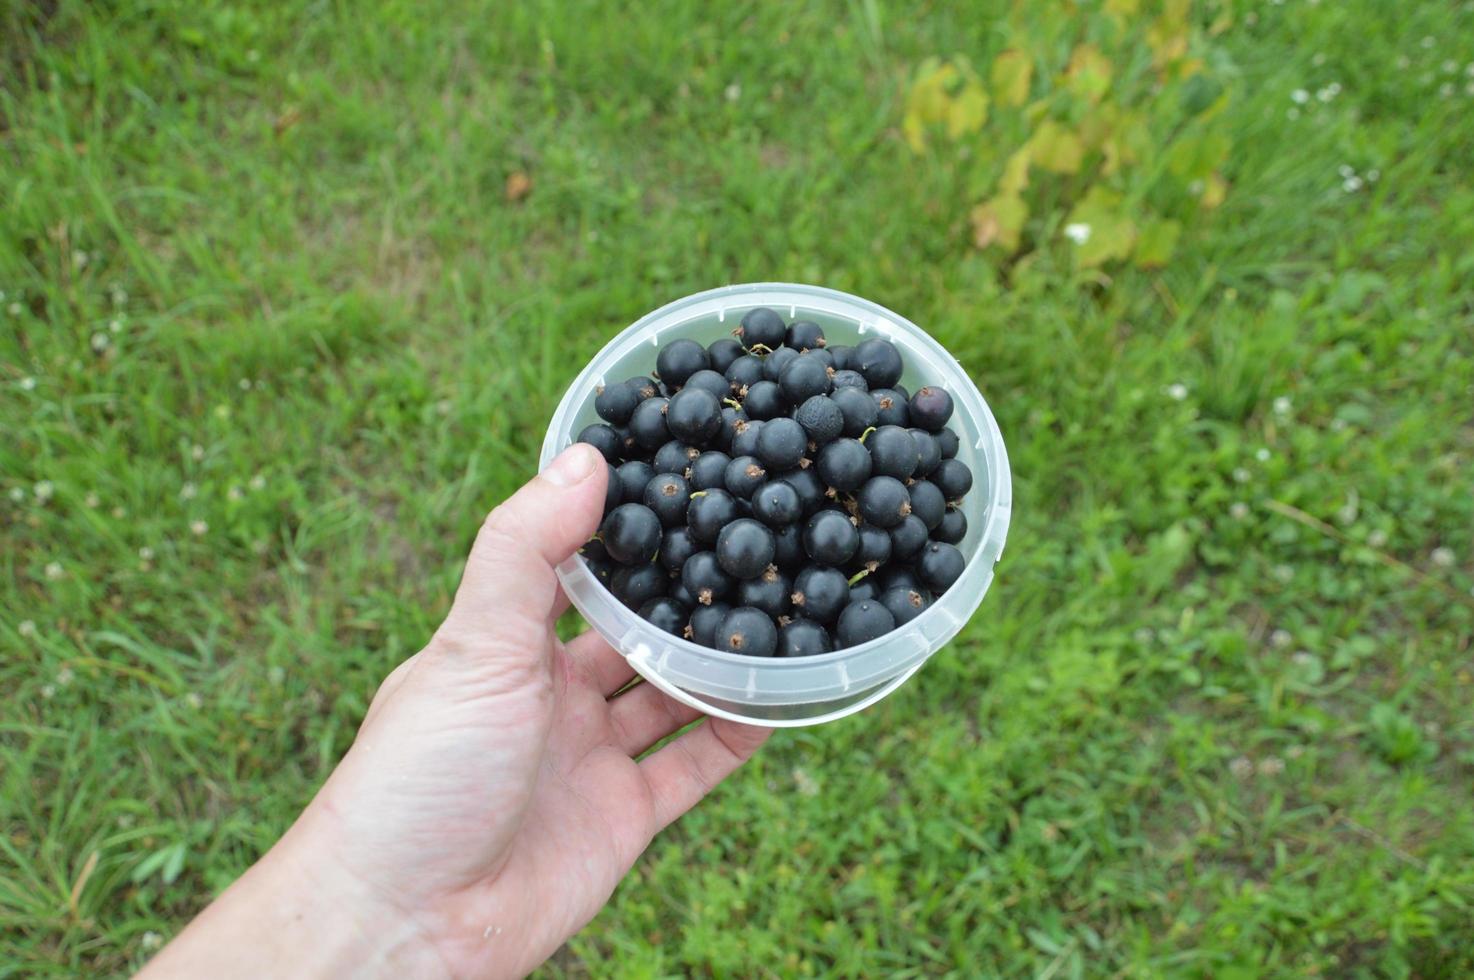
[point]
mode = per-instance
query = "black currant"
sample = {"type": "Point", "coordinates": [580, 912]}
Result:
{"type": "Point", "coordinates": [821, 419]}
{"type": "Point", "coordinates": [859, 410]}
{"type": "Point", "coordinates": [940, 565]}
{"type": "Point", "coordinates": [703, 576]}
{"type": "Point", "coordinates": [788, 546]}
{"type": "Point", "coordinates": [804, 334]}
{"type": "Point", "coordinates": [953, 527]}
{"type": "Point", "coordinates": [830, 538]}
{"type": "Point", "coordinates": [820, 593]}
{"type": "Point", "coordinates": [879, 361]}
{"type": "Point", "coordinates": [927, 503]}
{"type": "Point", "coordinates": [708, 470]}
{"type": "Point", "coordinates": [804, 377]}
{"type": "Point", "coordinates": [712, 381]}
{"type": "Point", "coordinates": [602, 438]}
{"type": "Point", "coordinates": [761, 327]}
{"type": "Point", "coordinates": [674, 457]}
{"type": "Point", "coordinates": [890, 407]}
{"type": "Point", "coordinates": [928, 451]}
{"type": "Point", "coordinates": [675, 547]}
{"type": "Point", "coordinates": [843, 355]}
{"type": "Point", "coordinates": [613, 496]}
{"type": "Point", "coordinates": [949, 443]}
{"type": "Point", "coordinates": [864, 590]}
{"type": "Point", "coordinates": [747, 630]}
{"type": "Point", "coordinates": [875, 548]}
{"type": "Point", "coordinates": [898, 577]}
{"type": "Point", "coordinates": [643, 387]}
{"type": "Point", "coordinates": [632, 477]}
{"type": "Point", "coordinates": [908, 538]}
{"type": "Point", "coordinates": [892, 452]}
{"type": "Point", "coordinates": [705, 621]}
{"type": "Point", "coordinates": [803, 638]}
{"type": "Point", "coordinates": [731, 417]}
{"type": "Point", "coordinates": [904, 604]}
{"type": "Point", "coordinates": [648, 426]}
{"type": "Point", "coordinates": [635, 585]}
{"type": "Point", "coordinates": [775, 362]}
{"type": "Point", "coordinates": [769, 592]}
{"type": "Point", "coordinates": [680, 359]}
{"type": "Point", "coordinates": [777, 504]}
{"type": "Point", "coordinates": [631, 533]}
{"type": "Point", "coordinates": [745, 548]}
{"type": "Point", "coordinates": [743, 476]}
{"type": "Point", "coordinates": [668, 495]}
{"type": "Point", "coordinates": [744, 372]}
{"type": "Point", "coordinates": [666, 614]}
{"type": "Point", "coordinates": [953, 478]}
{"type": "Point", "coordinates": [844, 464]}
{"type": "Point", "coordinates": [722, 353]}
{"type": "Point", "coordinates": [810, 488]}
{"type": "Point", "coordinates": [708, 513]}
{"type": "Point", "coordinates": [931, 407]}
{"type": "Point", "coordinates": [616, 403]}
{"type": "Point", "coordinates": [850, 379]}
{"type": "Point", "coordinates": [883, 501]}
{"type": "Point", "coordinates": [694, 415]}
{"type": "Point", "coordinates": [764, 400]}
{"type": "Point", "coordinates": [862, 622]}
{"type": "Point", "coordinates": [744, 438]}
{"type": "Point", "coordinates": [781, 444]}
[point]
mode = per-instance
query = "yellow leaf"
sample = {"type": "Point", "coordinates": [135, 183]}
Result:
{"type": "Point", "coordinates": [968, 110]}
{"type": "Point", "coordinates": [999, 222]}
{"type": "Point", "coordinates": [1055, 148]}
{"type": "Point", "coordinates": [1222, 23]}
{"type": "Point", "coordinates": [1015, 173]}
{"type": "Point", "coordinates": [1012, 72]}
{"type": "Point", "coordinates": [1215, 189]}
{"type": "Point", "coordinates": [1089, 72]}
{"type": "Point", "coordinates": [1099, 228]}
{"type": "Point", "coordinates": [1168, 43]}
{"type": "Point", "coordinates": [1122, 10]}
{"type": "Point", "coordinates": [1155, 244]}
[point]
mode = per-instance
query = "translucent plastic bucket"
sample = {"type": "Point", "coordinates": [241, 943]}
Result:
{"type": "Point", "coordinates": [784, 692]}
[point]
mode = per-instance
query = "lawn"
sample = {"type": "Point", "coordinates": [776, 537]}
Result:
{"type": "Point", "coordinates": [290, 293]}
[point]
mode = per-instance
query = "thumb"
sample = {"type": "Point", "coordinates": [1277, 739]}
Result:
{"type": "Point", "coordinates": [509, 584]}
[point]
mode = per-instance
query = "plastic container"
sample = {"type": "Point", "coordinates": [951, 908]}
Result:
{"type": "Point", "coordinates": [784, 692]}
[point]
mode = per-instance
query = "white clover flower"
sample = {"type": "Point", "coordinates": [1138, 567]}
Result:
{"type": "Point", "coordinates": [1351, 184]}
{"type": "Point", "coordinates": [733, 92]}
{"type": "Point", "coordinates": [27, 628]}
{"type": "Point", "coordinates": [1261, 454]}
{"type": "Point", "coordinates": [1238, 510]}
{"type": "Point", "coordinates": [1077, 232]}
{"type": "Point", "coordinates": [1282, 405]}
{"type": "Point", "coordinates": [146, 553]}
{"type": "Point", "coordinates": [1280, 639]}
{"type": "Point", "coordinates": [234, 493]}
{"type": "Point", "coordinates": [197, 452]}
{"type": "Point", "coordinates": [64, 676]}
{"type": "Point", "coordinates": [115, 326]}
{"type": "Point", "coordinates": [1241, 475]}
{"type": "Point", "coordinates": [1446, 89]}
{"type": "Point", "coordinates": [125, 820]}
{"type": "Point", "coordinates": [1241, 767]}
{"type": "Point", "coordinates": [805, 783]}
{"type": "Point", "coordinates": [198, 528]}
{"type": "Point", "coordinates": [44, 490]}
{"type": "Point", "coordinates": [92, 500]}
{"type": "Point", "coordinates": [1283, 573]}
{"type": "Point", "coordinates": [100, 342]}
{"type": "Point", "coordinates": [1145, 634]}
{"type": "Point", "coordinates": [443, 406]}
{"type": "Point", "coordinates": [1177, 391]}
{"type": "Point", "coordinates": [1377, 538]}
{"type": "Point", "coordinates": [253, 56]}
{"type": "Point", "coordinates": [54, 570]}
{"type": "Point", "coordinates": [119, 513]}
{"type": "Point", "coordinates": [18, 494]}
{"type": "Point", "coordinates": [48, 691]}
{"type": "Point", "coordinates": [151, 940]}
{"type": "Point", "coordinates": [1373, 175]}
{"type": "Point", "coordinates": [1404, 62]}
{"type": "Point", "coordinates": [1449, 66]}
{"type": "Point", "coordinates": [79, 259]}
{"type": "Point", "coordinates": [258, 482]}
{"type": "Point", "coordinates": [119, 295]}
{"type": "Point", "coordinates": [13, 309]}
{"type": "Point", "coordinates": [28, 383]}
{"type": "Point", "coordinates": [1272, 766]}
{"type": "Point", "coordinates": [245, 384]}
{"type": "Point", "coordinates": [1338, 425]}
{"type": "Point", "coordinates": [1344, 171]}
{"type": "Point", "coordinates": [1318, 59]}
{"type": "Point", "coordinates": [188, 491]}
{"type": "Point", "coordinates": [1325, 94]}
{"type": "Point", "coordinates": [194, 700]}
{"type": "Point", "coordinates": [1427, 42]}
{"type": "Point", "coordinates": [276, 676]}
{"type": "Point", "coordinates": [1299, 96]}
{"type": "Point", "coordinates": [1443, 557]}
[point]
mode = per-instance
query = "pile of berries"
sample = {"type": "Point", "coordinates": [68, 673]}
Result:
{"type": "Point", "coordinates": [775, 496]}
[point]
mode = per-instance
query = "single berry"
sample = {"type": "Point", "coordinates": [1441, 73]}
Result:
{"type": "Point", "coordinates": [892, 452]}
{"type": "Point", "coordinates": [844, 464]}
{"type": "Point", "coordinates": [810, 488]}
{"type": "Point", "coordinates": [769, 592]}
{"type": "Point", "coordinates": [707, 470]}
{"type": "Point", "coordinates": [603, 569]}
{"type": "Point", "coordinates": [749, 631]}
{"type": "Point", "coordinates": [632, 477]}
{"type": "Point", "coordinates": [694, 415]}
{"type": "Point", "coordinates": [705, 621]}
{"type": "Point", "coordinates": [883, 501]}
{"type": "Point", "coordinates": [777, 504]}
{"type": "Point", "coordinates": [940, 565]}
{"type": "Point", "coordinates": [830, 538]}
{"type": "Point", "coordinates": [774, 363]}
{"type": "Point", "coordinates": [680, 359]}
{"type": "Point", "coordinates": [731, 417]}
{"type": "Point", "coordinates": [904, 604]}
{"type": "Point", "coordinates": [803, 638]}
{"type": "Point", "coordinates": [788, 546]}
{"type": "Point", "coordinates": [850, 379]}
{"type": "Point", "coordinates": [635, 585]}
{"type": "Point", "coordinates": [949, 443]}
{"type": "Point", "coordinates": [744, 438]}
{"type": "Point", "coordinates": [722, 353]}
{"type": "Point", "coordinates": [703, 576]}
{"type": "Point", "coordinates": [712, 381]}
{"type": "Point", "coordinates": [843, 355]}
{"type": "Point", "coordinates": [674, 457]}
{"type": "Point", "coordinates": [927, 503]}
{"type": "Point", "coordinates": [743, 476]}
{"type": "Point", "coordinates": [953, 527]}
{"type": "Point", "coordinates": [931, 407]}
{"type": "Point", "coordinates": [908, 538]}
{"type": "Point", "coordinates": [761, 327]}
{"type": "Point", "coordinates": [821, 419]}
{"type": "Point", "coordinates": [602, 438]}
{"type": "Point", "coordinates": [745, 548]}
{"type": "Point", "coordinates": [681, 594]}
{"type": "Point", "coordinates": [819, 593]}
{"type": "Point", "coordinates": [890, 407]}
{"type": "Point", "coordinates": [648, 426]}
{"type": "Point", "coordinates": [643, 387]}
{"type": "Point", "coordinates": [928, 451]}
{"type": "Point", "coordinates": [823, 357]}
{"type": "Point", "coordinates": [666, 614]}
{"type": "Point", "coordinates": [862, 622]}
{"type": "Point", "coordinates": [676, 546]}
{"type": "Point", "coordinates": [875, 548]}
{"type": "Point", "coordinates": [879, 361]}
{"type": "Point", "coordinates": [764, 400]}
{"type": "Point", "coordinates": [631, 533]}
{"type": "Point", "coordinates": [953, 478]}
{"type": "Point", "coordinates": [803, 378]}
{"type": "Point", "coordinates": [781, 444]}
{"type": "Point", "coordinates": [898, 577]}
{"type": "Point", "coordinates": [804, 334]}
{"type": "Point", "coordinates": [708, 513]}
{"type": "Point", "coordinates": [858, 408]}
{"type": "Point", "coordinates": [668, 495]}
{"type": "Point", "coordinates": [744, 372]}
{"type": "Point", "coordinates": [627, 445]}
{"type": "Point", "coordinates": [616, 403]}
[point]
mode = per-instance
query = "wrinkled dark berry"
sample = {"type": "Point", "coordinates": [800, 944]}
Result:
{"type": "Point", "coordinates": [820, 418]}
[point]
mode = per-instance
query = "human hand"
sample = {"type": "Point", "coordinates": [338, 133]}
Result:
{"type": "Point", "coordinates": [492, 799]}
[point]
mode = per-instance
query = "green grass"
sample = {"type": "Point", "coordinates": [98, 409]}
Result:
{"type": "Point", "coordinates": [275, 340]}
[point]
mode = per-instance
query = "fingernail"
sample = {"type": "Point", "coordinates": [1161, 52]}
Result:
{"type": "Point", "coordinates": [573, 465]}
